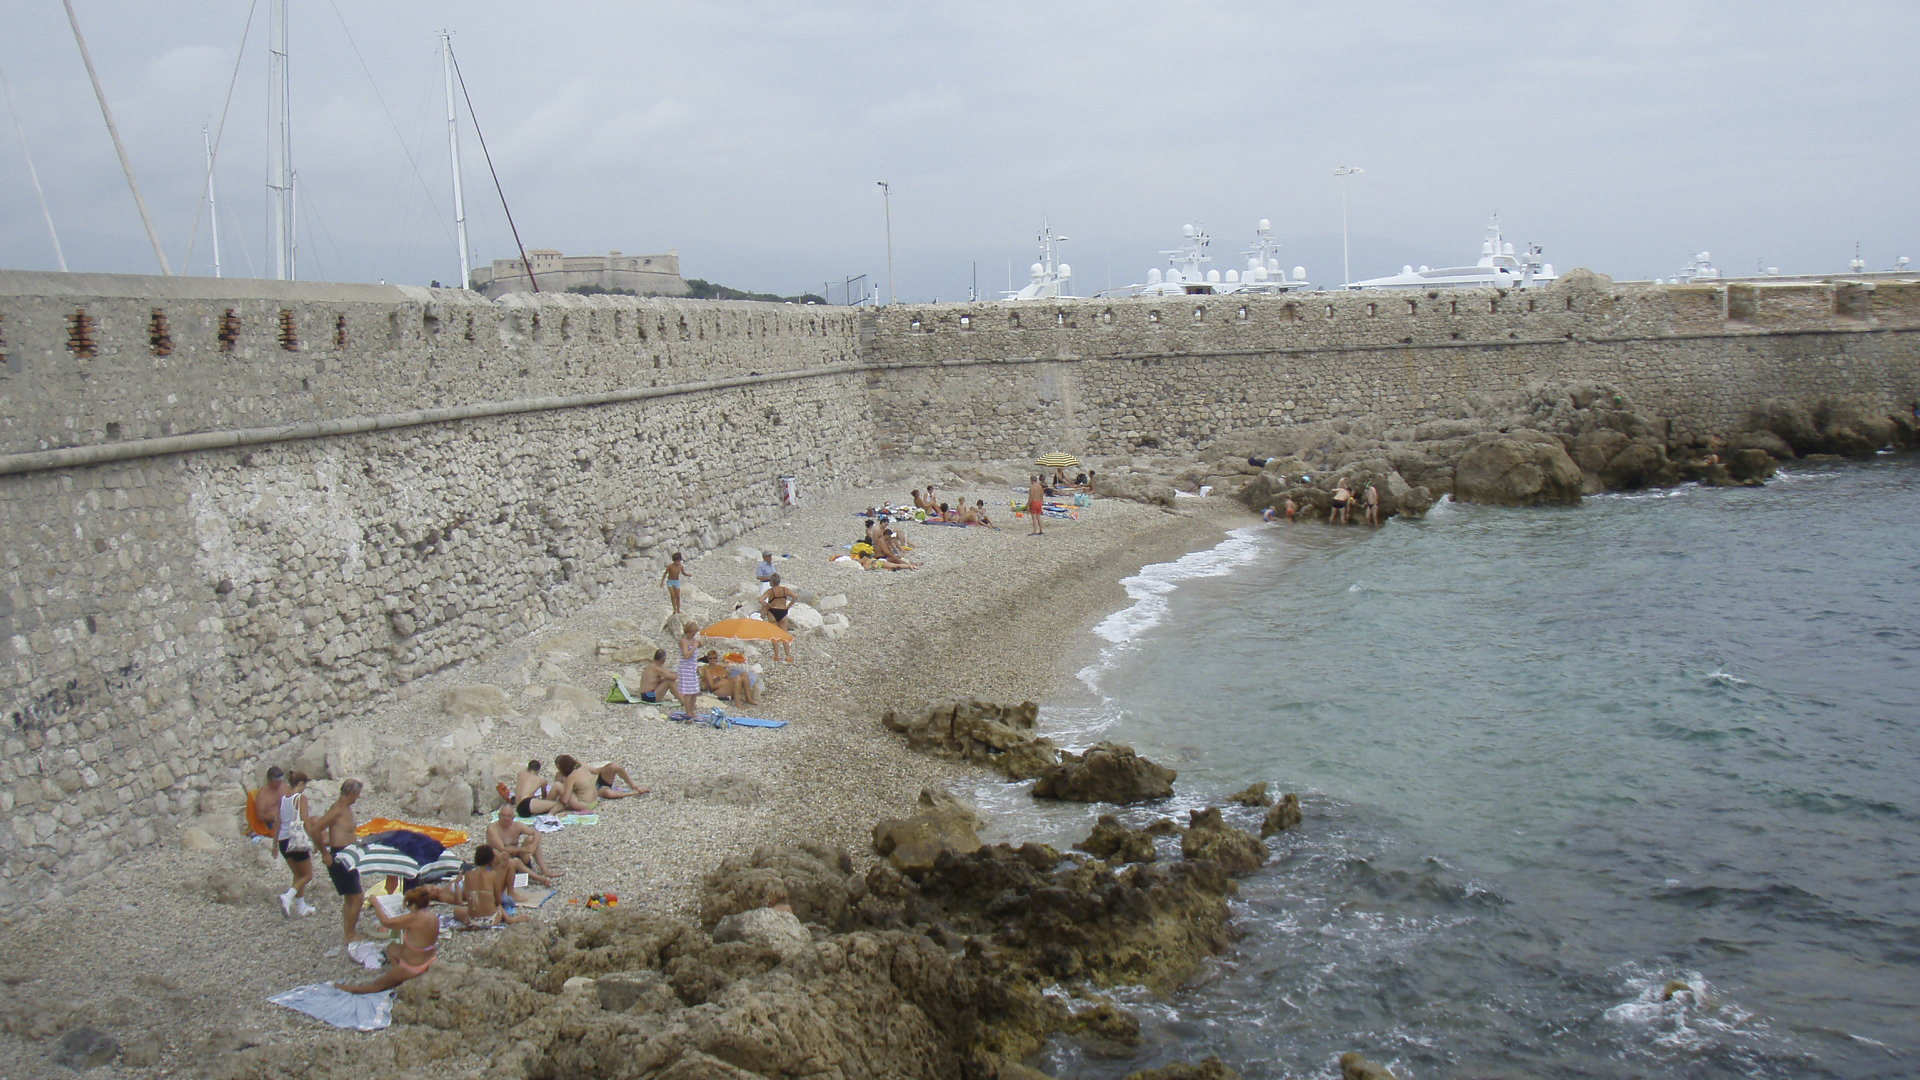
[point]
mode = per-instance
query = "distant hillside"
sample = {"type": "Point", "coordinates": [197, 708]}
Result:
{"type": "Point", "coordinates": [706, 290]}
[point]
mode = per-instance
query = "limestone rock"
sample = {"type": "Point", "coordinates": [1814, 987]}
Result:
{"type": "Point", "coordinates": [1114, 842]}
{"type": "Point", "coordinates": [1518, 468]}
{"type": "Point", "coordinates": [831, 602]}
{"type": "Point", "coordinates": [1751, 465]}
{"type": "Point", "coordinates": [1209, 837]}
{"type": "Point", "coordinates": [998, 736]}
{"type": "Point", "coordinates": [480, 699]}
{"type": "Point", "coordinates": [1284, 815]}
{"type": "Point", "coordinates": [568, 645]}
{"type": "Point", "coordinates": [1107, 772]}
{"type": "Point", "coordinates": [349, 753]}
{"type": "Point", "coordinates": [441, 798]}
{"type": "Point", "coordinates": [195, 838]}
{"type": "Point", "coordinates": [802, 619]}
{"type": "Point", "coordinates": [814, 880]}
{"type": "Point", "coordinates": [642, 991]}
{"type": "Point", "coordinates": [943, 824]}
{"type": "Point", "coordinates": [552, 726]}
{"type": "Point", "coordinates": [86, 1048]}
{"type": "Point", "coordinates": [583, 700]}
{"type": "Point", "coordinates": [1355, 1066]}
{"type": "Point", "coordinates": [1254, 794]}
{"type": "Point", "coordinates": [631, 649]}
{"type": "Point", "coordinates": [399, 770]}
{"type": "Point", "coordinates": [778, 930]}
{"type": "Point", "coordinates": [453, 996]}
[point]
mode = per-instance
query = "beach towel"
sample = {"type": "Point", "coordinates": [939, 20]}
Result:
{"type": "Point", "coordinates": [323, 1001]}
{"type": "Point", "coordinates": [254, 824]}
{"type": "Point", "coordinates": [754, 721]}
{"type": "Point", "coordinates": [580, 819]}
{"type": "Point", "coordinates": [620, 695]}
{"type": "Point", "coordinates": [446, 837]}
{"type": "Point", "coordinates": [400, 854]}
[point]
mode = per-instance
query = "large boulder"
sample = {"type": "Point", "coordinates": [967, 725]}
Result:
{"type": "Point", "coordinates": [1209, 837]}
{"type": "Point", "coordinates": [813, 880]}
{"type": "Point", "coordinates": [1517, 468]}
{"type": "Point", "coordinates": [998, 736]}
{"type": "Point", "coordinates": [943, 824]}
{"type": "Point", "coordinates": [771, 928]}
{"type": "Point", "coordinates": [1616, 461]}
{"type": "Point", "coordinates": [1107, 772]}
{"type": "Point", "coordinates": [1116, 843]}
{"type": "Point", "coordinates": [1284, 815]}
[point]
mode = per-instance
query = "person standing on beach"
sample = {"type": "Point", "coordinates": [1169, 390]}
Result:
{"type": "Point", "coordinates": [295, 845]}
{"type": "Point", "coordinates": [671, 578]}
{"type": "Point", "coordinates": [1292, 509]}
{"type": "Point", "coordinates": [1373, 504]}
{"type": "Point", "coordinates": [1342, 499]}
{"type": "Point", "coordinates": [1036, 504]}
{"type": "Point", "coordinates": [765, 570]}
{"type": "Point", "coordinates": [774, 604]}
{"type": "Point", "coordinates": [266, 801]}
{"type": "Point", "coordinates": [335, 830]}
{"type": "Point", "coordinates": [687, 688]}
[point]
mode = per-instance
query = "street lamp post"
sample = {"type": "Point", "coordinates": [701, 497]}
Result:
{"type": "Point", "coordinates": [886, 198]}
{"type": "Point", "coordinates": [1346, 270]}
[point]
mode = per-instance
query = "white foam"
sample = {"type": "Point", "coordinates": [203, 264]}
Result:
{"type": "Point", "coordinates": [1725, 679]}
{"type": "Point", "coordinates": [1152, 586]}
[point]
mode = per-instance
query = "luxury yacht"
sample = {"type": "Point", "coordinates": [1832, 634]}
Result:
{"type": "Point", "coordinates": [1499, 267]}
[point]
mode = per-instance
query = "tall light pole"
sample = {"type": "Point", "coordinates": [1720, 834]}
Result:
{"type": "Point", "coordinates": [886, 198]}
{"type": "Point", "coordinates": [1346, 270]}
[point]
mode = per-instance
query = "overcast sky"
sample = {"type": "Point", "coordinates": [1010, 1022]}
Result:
{"type": "Point", "coordinates": [749, 136]}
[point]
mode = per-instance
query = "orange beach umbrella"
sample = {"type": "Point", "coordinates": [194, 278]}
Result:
{"type": "Point", "coordinates": [746, 629]}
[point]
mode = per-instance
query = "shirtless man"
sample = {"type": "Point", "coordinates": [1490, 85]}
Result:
{"type": "Point", "coordinates": [532, 794]}
{"type": "Point", "coordinates": [1342, 500]}
{"type": "Point", "coordinates": [417, 948]}
{"type": "Point", "coordinates": [656, 682]}
{"type": "Point", "coordinates": [588, 784]}
{"type": "Point", "coordinates": [508, 837]}
{"type": "Point", "coordinates": [1036, 504]}
{"type": "Point", "coordinates": [1373, 504]}
{"type": "Point", "coordinates": [335, 830]}
{"type": "Point", "coordinates": [266, 801]}
{"type": "Point", "coordinates": [475, 895]}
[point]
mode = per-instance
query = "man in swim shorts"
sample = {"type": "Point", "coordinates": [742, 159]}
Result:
{"type": "Point", "coordinates": [656, 682]}
{"type": "Point", "coordinates": [1036, 504]}
{"type": "Point", "coordinates": [335, 830]}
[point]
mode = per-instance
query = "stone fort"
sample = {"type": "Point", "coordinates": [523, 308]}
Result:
{"type": "Point", "coordinates": [641, 275]}
{"type": "Point", "coordinates": [236, 511]}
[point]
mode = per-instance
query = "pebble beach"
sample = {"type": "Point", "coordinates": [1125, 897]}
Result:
{"type": "Point", "coordinates": [173, 951]}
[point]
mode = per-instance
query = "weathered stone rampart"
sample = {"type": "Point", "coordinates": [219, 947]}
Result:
{"type": "Point", "coordinates": [234, 512]}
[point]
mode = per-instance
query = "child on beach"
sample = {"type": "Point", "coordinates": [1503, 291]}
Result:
{"type": "Point", "coordinates": [671, 578]}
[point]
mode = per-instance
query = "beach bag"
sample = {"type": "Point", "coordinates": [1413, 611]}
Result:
{"type": "Point", "coordinates": [620, 695]}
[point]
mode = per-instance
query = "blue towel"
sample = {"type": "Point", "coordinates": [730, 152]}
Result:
{"type": "Point", "coordinates": [324, 1001]}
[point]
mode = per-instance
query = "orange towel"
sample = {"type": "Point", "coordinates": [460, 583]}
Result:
{"type": "Point", "coordinates": [447, 837]}
{"type": "Point", "coordinates": [254, 824]}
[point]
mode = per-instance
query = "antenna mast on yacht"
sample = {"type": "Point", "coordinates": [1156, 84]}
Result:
{"type": "Point", "coordinates": [280, 144]}
{"type": "Point", "coordinates": [453, 151]}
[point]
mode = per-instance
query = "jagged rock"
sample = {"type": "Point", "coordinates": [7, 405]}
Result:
{"type": "Point", "coordinates": [1518, 468]}
{"type": "Point", "coordinates": [442, 798]}
{"type": "Point", "coordinates": [1209, 1068]}
{"type": "Point", "coordinates": [1353, 1066]}
{"type": "Point", "coordinates": [1774, 445]}
{"type": "Point", "coordinates": [86, 1048]}
{"type": "Point", "coordinates": [769, 928]}
{"type": "Point", "coordinates": [943, 823]}
{"type": "Point", "coordinates": [583, 700]}
{"type": "Point", "coordinates": [634, 991]}
{"type": "Point", "coordinates": [454, 996]}
{"type": "Point", "coordinates": [1209, 837]}
{"type": "Point", "coordinates": [1254, 794]}
{"type": "Point", "coordinates": [480, 699]}
{"type": "Point", "coordinates": [999, 736]}
{"type": "Point", "coordinates": [1284, 815]}
{"type": "Point", "coordinates": [813, 880]}
{"type": "Point", "coordinates": [400, 770]}
{"type": "Point", "coordinates": [1107, 772]}
{"type": "Point", "coordinates": [1114, 842]}
{"type": "Point", "coordinates": [1619, 462]}
{"type": "Point", "coordinates": [1750, 466]}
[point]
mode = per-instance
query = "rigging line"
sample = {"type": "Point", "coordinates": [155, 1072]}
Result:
{"type": "Point", "coordinates": [106, 113]}
{"type": "Point", "coordinates": [207, 181]}
{"type": "Point", "coordinates": [58, 253]}
{"type": "Point", "coordinates": [391, 122]}
{"type": "Point", "coordinates": [471, 115]}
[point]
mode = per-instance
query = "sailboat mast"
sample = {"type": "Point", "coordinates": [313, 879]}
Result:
{"type": "Point", "coordinates": [213, 208]}
{"type": "Point", "coordinates": [279, 142]}
{"type": "Point", "coordinates": [453, 151]}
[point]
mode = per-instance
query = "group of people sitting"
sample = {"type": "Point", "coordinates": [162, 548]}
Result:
{"type": "Point", "coordinates": [1060, 487]}
{"type": "Point", "coordinates": [880, 547]}
{"type": "Point", "coordinates": [960, 514]}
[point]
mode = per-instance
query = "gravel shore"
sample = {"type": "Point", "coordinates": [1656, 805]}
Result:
{"type": "Point", "coordinates": [174, 951]}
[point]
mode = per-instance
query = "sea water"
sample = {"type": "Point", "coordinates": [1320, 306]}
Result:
{"type": "Point", "coordinates": [1553, 763]}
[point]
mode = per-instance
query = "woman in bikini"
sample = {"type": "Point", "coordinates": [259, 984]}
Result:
{"type": "Point", "coordinates": [417, 948]}
{"type": "Point", "coordinates": [774, 604]}
{"type": "Point", "coordinates": [532, 795]}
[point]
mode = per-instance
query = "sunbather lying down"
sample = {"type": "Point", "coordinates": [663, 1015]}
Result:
{"type": "Point", "coordinates": [583, 786]}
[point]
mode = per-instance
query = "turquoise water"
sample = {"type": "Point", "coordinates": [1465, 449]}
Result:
{"type": "Point", "coordinates": [1550, 760]}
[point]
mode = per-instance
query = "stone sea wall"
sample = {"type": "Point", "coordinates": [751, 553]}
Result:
{"type": "Point", "coordinates": [234, 512]}
{"type": "Point", "coordinates": [289, 500]}
{"type": "Point", "coordinates": [1177, 373]}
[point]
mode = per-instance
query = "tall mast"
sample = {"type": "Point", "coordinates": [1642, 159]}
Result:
{"type": "Point", "coordinates": [453, 151]}
{"type": "Point", "coordinates": [213, 210]}
{"type": "Point", "coordinates": [280, 143]}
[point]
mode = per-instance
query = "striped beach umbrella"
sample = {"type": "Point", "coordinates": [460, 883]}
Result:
{"type": "Point", "coordinates": [1058, 461]}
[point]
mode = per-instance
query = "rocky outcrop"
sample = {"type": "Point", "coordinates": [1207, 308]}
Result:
{"type": "Point", "coordinates": [1209, 837]}
{"type": "Point", "coordinates": [1211, 1068]}
{"type": "Point", "coordinates": [1107, 772]}
{"type": "Point", "coordinates": [1284, 815]}
{"type": "Point", "coordinates": [1355, 1066]}
{"type": "Point", "coordinates": [998, 736]}
{"type": "Point", "coordinates": [1520, 468]}
{"type": "Point", "coordinates": [1114, 842]}
{"type": "Point", "coordinates": [1254, 794]}
{"type": "Point", "coordinates": [943, 824]}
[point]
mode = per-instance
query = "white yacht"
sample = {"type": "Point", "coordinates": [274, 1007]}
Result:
{"type": "Point", "coordinates": [1699, 268]}
{"type": "Point", "coordinates": [1187, 273]}
{"type": "Point", "coordinates": [1048, 279]}
{"type": "Point", "coordinates": [1500, 267]}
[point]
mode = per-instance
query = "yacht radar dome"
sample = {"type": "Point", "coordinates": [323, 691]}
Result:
{"type": "Point", "coordinates": [1265, 225]}
{"type": "Point", "coordinates": [1299, 273]}
{"type": "Point", "coordinates": [1186, 231]}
